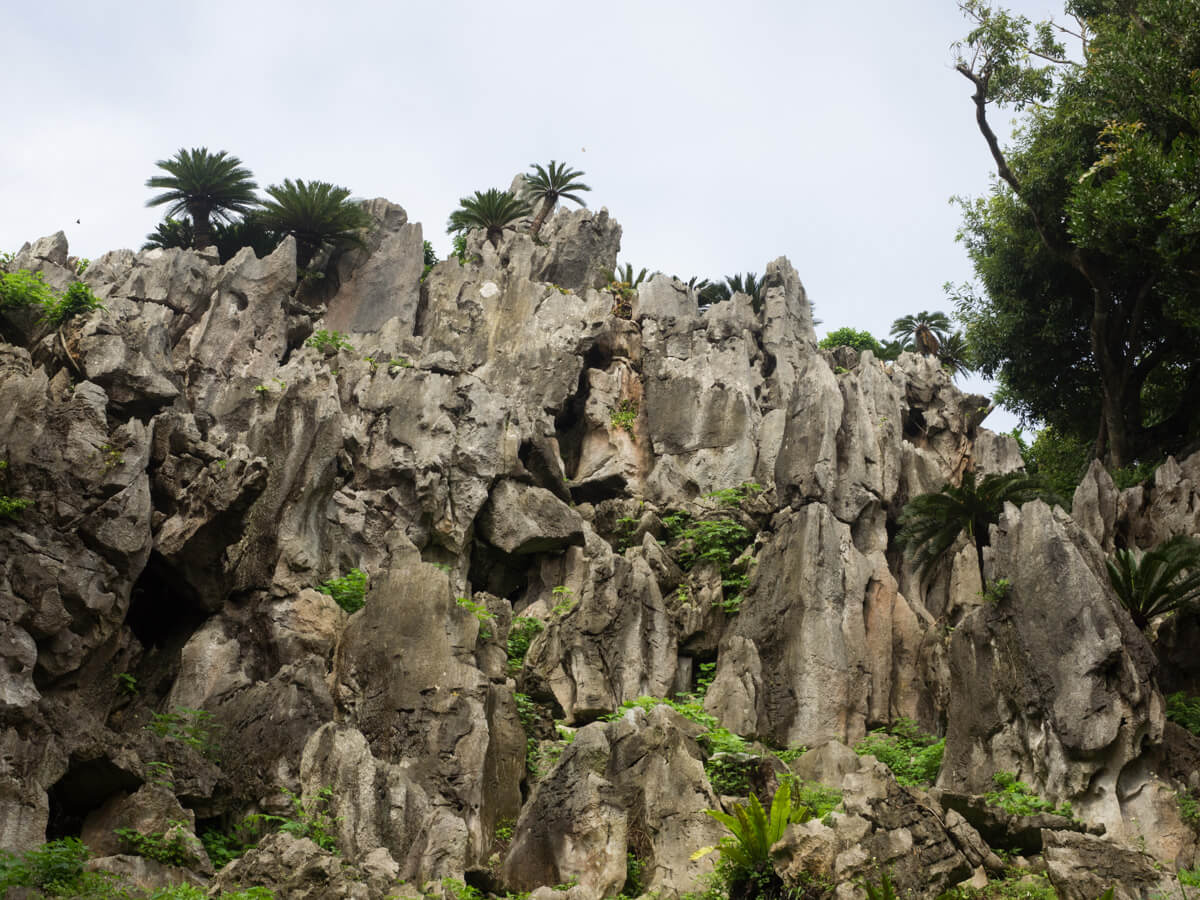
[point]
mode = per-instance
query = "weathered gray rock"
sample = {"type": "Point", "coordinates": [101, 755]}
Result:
{"type": "Point", "coordinates": [1082, 867]}
{"type": "Point", "coordinates": [637, 786]}
{"type": "Point", "coordinates": [1053, 681]}
{"type": "Point", "coordinates": [886, 826]}
{"type": "Point", "coordinates": [382, 280]}
{"type": "Point", "coordinates": [521, 519]}
{"type": "Point", "coordinates": [293, 867]}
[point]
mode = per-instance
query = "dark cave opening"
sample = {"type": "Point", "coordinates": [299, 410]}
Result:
{"type": "Point", "coordinates": [497, 572]}
{"type": "Point", "coordinates": [164, 610]}
{"type": "Point", "coordinates": [571, 423]}
{"type": "Point", "coordinates": [84, 788]}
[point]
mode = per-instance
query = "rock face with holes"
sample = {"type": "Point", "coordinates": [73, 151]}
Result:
{"type": "Point", "coordinates": [365, 550]}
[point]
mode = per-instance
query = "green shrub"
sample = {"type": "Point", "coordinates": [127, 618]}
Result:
{"type": "Point", "coordinates": [718, 540]}
{"type": "Point", "coordinates": [913, 756]}
{"type": "Point", "coordinates": [524, 629]}
{"type": "Point", "coordinates": [12, 507]}
{"type": "Point", "coordinates": [24, 288]}
{"type": "Point", "coordinates": [480, 612]}
{"type": "Point", "coordinates": [1189, 809]}
{"type": "Point", "coordinates": [1189, 877]}
{"type": "Point", "coordinates": [1184, 710]}
{"type": "Point", "coordinates": [77, 299]}
{"type": "Point", "coordinates": [175, 851]}
{"type": "Point", "coordinates": [329, 342]}
{"type": "Point", "coordinates": [55, 868]}
{"type": "Point", "coordinates": [625, 415]}
{"type": "Point", "coordinates": [1018, 799]}
{"type": "Point", "coordinates": [1019, 886]}
{"type": "Point", "coordinates": [850, 337]}
{"type": "Point", "coordinates": [193, 727]}
{"type": "Point", "coordinates": [349, 591]}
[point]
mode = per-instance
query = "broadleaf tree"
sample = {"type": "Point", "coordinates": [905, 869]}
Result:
{"type": "Point", "coordinates": [1087, 248]}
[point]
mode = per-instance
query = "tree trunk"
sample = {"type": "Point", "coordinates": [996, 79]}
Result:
{"type": "Point", "coordinates": [547, 208]}
{"type": "Point", "coordinates": [202, 235]}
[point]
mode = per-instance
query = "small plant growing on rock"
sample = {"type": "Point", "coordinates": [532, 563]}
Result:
{"type": "Point", "coordinates": [566, 601]}
{"type": "Point", "coordinates": [78, 298]}
{"type": "Point", "coordinates": [996, 591]}
{"type": "Point", "coordinates": [349, 591]}
{"type": "Point", "coordinates": [329, 343]}
{"type": "Point", "coordinates": [480, 612]}
{"type": "Point", "coordinates": [913, 756]}
{"type": "Point", "coordinates": [624, 416]}
{"type": "Point", "coordinates": [524, 629]}
{"type": "Point", "coordinates": [1018, 799]}
{"type": "Point", "coordinates": [171, 848]}
{"type": "Point", "coordinates": [191, 727]}
{"type": "Point", "coordinates": [126, 683]}
{"type": "Point", "coordinates": [1184, 710]}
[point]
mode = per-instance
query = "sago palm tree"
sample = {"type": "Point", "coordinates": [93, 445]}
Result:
{"type": "Point", "coordinates": [549, 185]}
{"type": "Point", "coordinates": [204, 186]}
{"type": "Point", "coordinates": [1158, 582]}
{"type": "Point", "coordinates": [493, 210]}
{"type": "Point", "coordinates": [927, 330]}
{"type": "Point", "coordinates": [720, 291]}
{"type": "Point", "coordinates": [931, 524]}
{"type": "Point", "coordinates": [954, 355]}
{"type": "Point", "coordinates": [171, 234]}
{"type": "Point", "coordinates": [315, 213]}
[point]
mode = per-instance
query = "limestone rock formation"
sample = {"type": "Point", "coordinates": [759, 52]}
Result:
{"type": "Point", "coordinates": [382, 578]}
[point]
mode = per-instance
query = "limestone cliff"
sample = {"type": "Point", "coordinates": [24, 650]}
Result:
{"type": "Point", "coordinates": [493, 447]}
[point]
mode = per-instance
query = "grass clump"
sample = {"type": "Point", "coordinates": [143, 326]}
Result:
{"type": "Point", "coordinates": [349, 591]}
{"type": "Point", "coordinates": [913, 756]}
{"type": "Point", "coordinates": [1018, 799]}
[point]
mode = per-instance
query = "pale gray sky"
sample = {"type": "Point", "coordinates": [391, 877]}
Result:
{"type": "Point", "coordinates": [719, 135]}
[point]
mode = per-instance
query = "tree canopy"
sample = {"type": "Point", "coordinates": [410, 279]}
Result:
{"type": "Point", "coordinates": [203, 186]}
{"type": "Point", "coordinates": [1087, 249]}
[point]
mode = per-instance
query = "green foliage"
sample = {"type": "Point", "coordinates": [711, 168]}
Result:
{"type": "Point", "coordinates": [55, 869]}
{"type": "Point", "coordinates": [931, 524]}
{"type": "Point", "coordinates": [460, 248]}
{"type": "Point", "coordinates": [720, 291]}
{"type": "Point", "coordinates": [316, 214]}
{"type": "Point", "coordinates": [28, 289]}
{"type": "Point", "coordinates": [522, 632]}
{"type": "Point", "coordinates": [633, 877]}
{"type": "Point", "coordinates": [718, 540]}
{"type": "Point", "coordinates": [12, 507]}
{"type": "Point", "coordinates": [1020, 885]}
{"type": "Point", "coordinates": [204, 186]}
{"type": "Point", "coordinates": [549, 185]}
{"type": "Point", "coordinates": [1160, 581]}
{"type": "Point", "coordinates": [625, 415]}
{"type": "Point", "coordinates": [24, 288]}
{"type": "Point", "coordinates": [1184, 710]}
{"type": "Point", "coordinates": [1189, 809]}
{"type": "Point", "coordinates": [504, 829]}
{"type": "Point", "coordinates": [735, 496]}
{"type": "Point", "coordinates": [78, 298]}
{"type": "Point", "coordinates": [753, 830]}
{"type": "Point", "coordinates": [996, 591]}
{"type": "Point", "coordinates": [1086, 247]}
{"type": "Point", "coordinates": [1018, 799]}
{"type": "Point", "coordinates": [493, 210]}
{"type": "Point", "coordinates": [913, 756]}
{"type": "Point", "coordinates": [850, 337]}
{"type": "Point", "coordinates": [1189, 877]}
{"type": "Point", "coordinates": [329, 342]}
{"type": "Point", "coordinates": [924, 332]}
{"type": "Point", "coordinates": [349, 591]}
{"type": "Point", "coordinates": [566, 601]}
{"type": "Point", "coordinates": [312, 820]}
{"type": "Point", "coordinates": [480, 612]}
{"type": "Point", "coordinates": [191, 727]}
{"type": "Point", "coordinates": [175, 850]}
{"type": "Point", "coordinates": [460, 890]}
{"type": "Point", "coordinates": [885, 890]}
{"type": "Point", "coordinates": [126, 683]}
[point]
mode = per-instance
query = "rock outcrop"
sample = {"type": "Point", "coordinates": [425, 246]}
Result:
{"type": "Point", "coordinates": [545, 509]}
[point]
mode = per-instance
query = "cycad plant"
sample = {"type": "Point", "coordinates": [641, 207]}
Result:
{"type": "Point", "coordinates": [1158, 582]}
{"type": "Point", "coordinates": [720, 291]}
{"type": "Point", "coordinates": [204, 186]}
{"type": "Point", "coordinates": [549, 185]}
{"type": "Point", "coordinates": [493, 210]}
{"type": "Point", "coordinates": [746, 851]}
{"type": "Point", "coordinates": [927, 330]}
{"type": "Point", "coordinates": [954, 355]}
{"type": "Point", "coordinates": [931, 524]}
{"type": "Point", "coordinates": [315, 213]}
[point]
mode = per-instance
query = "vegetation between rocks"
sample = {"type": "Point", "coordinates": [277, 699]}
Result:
{"type": "Point", "coordinates": [913, 756]}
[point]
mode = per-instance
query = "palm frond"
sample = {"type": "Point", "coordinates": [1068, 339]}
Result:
{"type": "Point", "coordinates": [1158, 582]}
{"type": "Point", "coordinates": [315, 213]}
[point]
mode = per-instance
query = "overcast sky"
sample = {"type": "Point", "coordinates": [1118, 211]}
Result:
{"type": "Point", "coordinates": [719, 135]}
